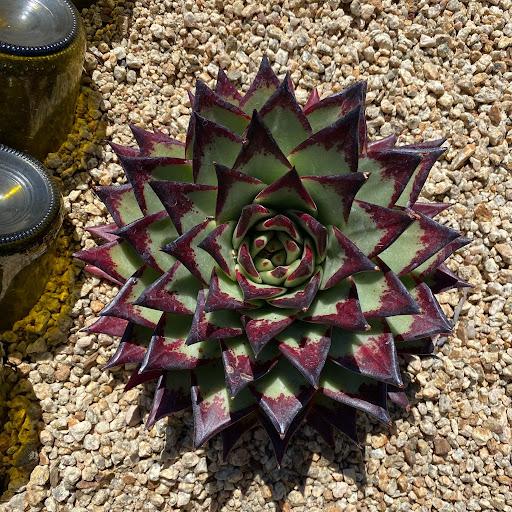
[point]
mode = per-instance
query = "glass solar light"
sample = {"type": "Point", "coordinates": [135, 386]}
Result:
{"type": "Point", "coordinates": [42, 46]}
{"type": "Point", "coordinates": [30, 218]}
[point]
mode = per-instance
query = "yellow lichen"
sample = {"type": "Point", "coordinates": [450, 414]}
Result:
{"type": "Point", "coordinates": [20, 418]}
{"type": "Point", "coordinates": [49, 318]}
{"type": "Point", "coordinates": [88, 130]}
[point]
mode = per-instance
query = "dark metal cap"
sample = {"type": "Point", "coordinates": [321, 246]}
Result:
{"type": "Point", "coordinates": [36, 27]}
{"type": "Point", "coordinates": [29, 201]}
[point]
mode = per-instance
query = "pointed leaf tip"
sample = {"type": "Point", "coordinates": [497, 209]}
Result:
{"type": "Point", "coordinates": [332, 150]}
{"type": "Point", "coordinates": [265, 83]}
{"type": "Point", "coordinates": [287, 190]}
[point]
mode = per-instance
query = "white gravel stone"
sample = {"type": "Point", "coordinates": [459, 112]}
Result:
{"type": "Point", "coordinates": [79, 430]}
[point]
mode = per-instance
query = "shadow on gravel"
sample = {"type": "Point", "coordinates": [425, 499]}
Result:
{"type": "Point", "coordinates": [252, 461]}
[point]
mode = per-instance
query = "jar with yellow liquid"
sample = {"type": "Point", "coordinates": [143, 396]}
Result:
{"type": "Point", "coordinates": [42, 47]}
{"type": "Point", "coordinates": [30, 219]}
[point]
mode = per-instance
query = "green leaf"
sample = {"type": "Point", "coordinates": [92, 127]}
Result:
{"type": "Point", "coordinates": [241, 366]}
{"type": "Point", "coordinates": [225, 89]}
{"type": "Point", "coordinates": [123, 305]}
{"type": "Point", "coordinates": [174, 292]}
{"type": "Point", "coordinates": [342, 259]}
{"type": "Point", "coordinates": [383, 294]}
{"type": "Point", "coordinates": [422, 239]}
{"type": "Point", "coordinates": [141, 170]}
{"type": "Point", "coordinates": [260, 156]}
{"type": "Point", "coordinates": [430, 321]}
{"type": "Point", "coordinates": [371, 354]}
{"type": "Point", "coordinates": [120, 202]}
{"type": "Point", "coordinates": [333, 196]}
{"type": "Point", "coordinates": [214, 325]}
{"type": "Point", "coordinates": [117, 259]}
{"type": "Point", "coordinates": [188, 204]}
{"type": "Point", "coordinates": [285, 119]}
{"type": "Point", "coordinates": [390, 170]}
{"type": "Point", "coordinates": [224, 293]}
{"type": "Point", "coordinates": [306, 347]}
{"type": "Point", "coordinates": [287, 190]}
{"type": "Point", "coordinates": [355, 390]}
{"type": "Point", "coordinates": [218, 245]}
{"type": "Point", "coordinates": [235, 190]}
{"type": "Point", "coordinates": [172, 394]}
{"type": "Point", "coordinates": [187, 249]}
{"type": "Point", "coordinates": [157, 144]}
{"type": "Point", "coordinates": [212, 407]}
{"type": "Point", "coordinates": [282, 394]}
{"type": "Point", "coordinates": [211, 106]}
{"type": "Point", "coordinates": [333, 150]}
{"type": "Point", "coordinates": [251, 214]}
{"type": "Point", "coordinates": [265, 83]}
{"type": "Point", "coordinates": [336, 307]}
{"type": "Point", "coordinates": [212, 144]}
{"type": "Point", "coordinates": [261, 325]}
{"type": "Point", "coordinates": [148, 235]}
{"type": "Point", "coordinates": [325, 112]}
{"type": "Point", "coordinates": [373, 228]}
{"type": "Point", "coordinates": [169, 351]}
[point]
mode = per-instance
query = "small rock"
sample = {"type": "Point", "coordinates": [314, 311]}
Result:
{"type": "Point", "coordinates": [133, 417]}
{"type": "Point", "coordinates": [157, 31]}
{"type": "Point", "coordinates": [120, 73]}
{"type": "Point", "coordinates": [481, 435]}
{"type": "Point", "coordinates": [427, 427]}
{"type": "Point", "coordinates": [295, 498]}
{"type": "Point", "coordinates": [441, 446]}
{"type": "Point", "coordinates": [463, 157]}
{"type": "Point", "coordinates": [183, 499]}
{"type": "Point", "coordinates": [40, 475]}
{"type": "Point", "coordinates": [340, 489]}
{"type": "Point", "coordinates": [483, 212]}
{"type": "Point", "coordinates": [427, 41]}
{"type": "Point", "coordinates": [60, 493]}
{"type": "Point", "coordinates": [189, 459]}
{"type": "Point", "coordinates": [134, 62]}
{"type": "Point", "coordinates": [281, 57]}
{"type": "Point", "coordinates": [504, 250]}
{"type": "Point", "coordinates": [189, 20]}
{"type": "Point", "coordinates": [79, 430]}
{"type": "Point", "coordinates": [96, 306]}
{"type": "Point", "coordinates": [71, 475]}
{"type": "Point", "coordinates": [91, 442]}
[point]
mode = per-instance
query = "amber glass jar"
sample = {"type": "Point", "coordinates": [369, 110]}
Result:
{"type": "Point", "coordinates": [30, 219]}
{"type": "Point", "coordinates": [42, 47]}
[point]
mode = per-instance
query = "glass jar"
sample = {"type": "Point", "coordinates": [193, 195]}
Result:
{"type": "Point", "coordinates": [42, 48]}
{"type": "Point", "coordinates": [30, 219]}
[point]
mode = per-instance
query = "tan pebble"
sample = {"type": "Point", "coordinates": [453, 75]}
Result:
{"type": "Point", "coordinates": [379, 441]}
{"type": "Point", "coordinates": [441, 446]}
{"type": "Point", "coordinates": [62, 372]}
{"type": "Point", "coordinates": [96, 306]}
{"type": "Point", "coordinates": [495, 114]}
{"type": "Point", "coordinates": [504, 250]}
{"type": "Point", "coordinates": [483, 212]}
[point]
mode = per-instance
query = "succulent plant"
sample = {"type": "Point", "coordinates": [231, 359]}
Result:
{"type": "Point", "coordinates": [275, 265]}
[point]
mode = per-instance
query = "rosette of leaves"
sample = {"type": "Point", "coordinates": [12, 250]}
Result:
{"type": "Point", "coordinates": [275, 265]}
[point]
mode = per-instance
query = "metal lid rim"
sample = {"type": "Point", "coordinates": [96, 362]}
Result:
{"type": "Point", "coordinates": [25, 236]}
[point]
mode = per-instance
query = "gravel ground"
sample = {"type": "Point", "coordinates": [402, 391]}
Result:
{"type": "Point", "coordinates": [438, 68]}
